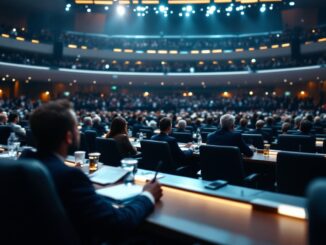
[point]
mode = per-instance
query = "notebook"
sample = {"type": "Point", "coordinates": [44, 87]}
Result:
{"type": "Point", "coordinates": [121, 192]}
{"type": "Point", "coordinates": [107, 175]}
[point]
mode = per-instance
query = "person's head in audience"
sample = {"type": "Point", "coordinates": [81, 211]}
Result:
{"type": "Point", "coordinates": [297, 121]}
{"type": "Point", "coordinates": [152, 124]}
{"type": "Point", "coordinates": [209, 121]}
{"type": "Point", "coordinates": [118, 126]}
{"type": "Point", "coordinates": [269, 121]}
{"type": "Point", "coordinates": [54, 127]}
{"type": "Point", "coordinates": [243, 122]}
{"type": "Point", "coordinates": [260, 124]}
{"type": "Point", "coordinates": [285, 127]}
{"type": "Point", "coordinates": [13, 118]}
{"type": "Point", "coordinates": [165, 125]}
{"type": "Point", "coordinates": [227, 122]}
{"type": "Point", "coordinates": [305, 126]}
{"type": "Point", "coordinates": [317, 120]}
{"type": "Point", "coordinates": [88, 121]}
{"type": "Point", "coordinates": [96, 120]}
{"type": "Point", "coordinates": [310, 118]}
{"type": "Point", "coordinates": [3, 118]}
{"type": "Point", "coordinates": [182, 124]}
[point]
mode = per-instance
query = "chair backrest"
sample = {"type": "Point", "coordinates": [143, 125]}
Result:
{"type": "Point", "coordinates": [221, 162]}
{"type": "Point", "coordinates": [30, 209]}
{"type": "Point", "coordinates": [299, 143]}
{"type": "Point", "coordinates": [204, 136]}
{"type": "Point", "coordinates": [254, 139]}
{"type": "Point", "coordinates": [182, 137]}
{"type": "Point", "coordinates": [316, 211]}
{"type": "Point", "coordinates": [110, 154]}
{"type": "Point", "coordinates": [294, 171]}
{"type": "Point", "coordinates": [90, 136]}
{"type": "Point", "coordinates": [30, 141]}
{"type": "Point", "coordinates": [209, 130]}
{"type": "Point", "coordinates": [155, 151]}
{"type": "Point", "coordinates": [4, 134]}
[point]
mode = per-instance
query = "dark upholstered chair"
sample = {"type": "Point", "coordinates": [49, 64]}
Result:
{"type": "Point", "coordinates": [295, 171]}
{"type": "Point", "coordinates": [223, 162]}
{"type": "Point", "coordinates": [90, 136]}
{"type": "Point", "coordinates": [4, 134]}
{"type": "Point", "coordinates": [182, 137]}
{"type": "Point", "coordinates": [254, 139]}
{"type": "Point", "coordinates": [30, 209]}
{"type": "Point", "coordinates": [299, 143]}
{"type": "Point", "coordinates": [316, 211]}
{"type": "Point", "coordinates": [155, 151]}
{"type": "Point", "coordinates": [109, 151]}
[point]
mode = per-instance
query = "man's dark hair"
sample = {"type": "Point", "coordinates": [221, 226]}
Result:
{"type": "Point", "coordinates": [165, 123]}
{"type": "Point", "coordinates": [243, 122]}
{"type": "Point", "coordinates": [12, 116]}
{"type": "Point", "coordinates": [50, 123]}
{"type": "Point", "coordinates": [305, 126]}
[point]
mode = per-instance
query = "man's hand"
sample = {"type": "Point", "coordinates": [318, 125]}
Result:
{"type": "Point", "coordinates": [155, 189]}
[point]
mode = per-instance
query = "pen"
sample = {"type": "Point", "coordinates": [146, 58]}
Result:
{"type": "Point", "coordinates": [156, 172]}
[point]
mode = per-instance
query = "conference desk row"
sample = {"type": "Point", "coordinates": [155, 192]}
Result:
{"type": "Point", "coordinates": [230, 215]}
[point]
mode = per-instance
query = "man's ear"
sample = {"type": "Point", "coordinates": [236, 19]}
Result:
{"type": "Point", "coordinates": [69, 138]}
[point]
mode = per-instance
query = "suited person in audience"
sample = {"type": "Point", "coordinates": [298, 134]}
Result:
{"type": "Point", "coordinates": [181, 127]}
{"type": "Point", "coordinates": [259, 130]}
{"type": "Point", "coordinates": [119, 132]}
{"type": "Point", "coordinates": [94, 217]}
{"type": "Point", "coordinates": [3, 119]}
{"type": "Point", "coordinates": [178, 155]}
{"type": "Point", "coordinates": [87, 124]}
{"type": "Point", "coordinates": [243, 125]}
{"type": "Point", "coordinates": [13, 122]}
{"type": "Point", "coordinates": [225, 136]}
{"type": "Point", "coordinates": [305, 128]}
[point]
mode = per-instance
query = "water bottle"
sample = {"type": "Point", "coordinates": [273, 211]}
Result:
{"type": "Point", "coordinates": [199, 139]}
{"type": "Point", "coordinates": [11, 144]}
{"type": "Point", "coordinates": [141, 136]}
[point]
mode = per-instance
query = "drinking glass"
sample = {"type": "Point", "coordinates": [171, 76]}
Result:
{"type": "Point", "coordinates": [94, 158]}
{"type": "Point", "coordinates": [130, 165]}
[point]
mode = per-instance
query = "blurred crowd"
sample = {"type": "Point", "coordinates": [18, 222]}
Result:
{"type": "Point", "coordinates": [161, 42]}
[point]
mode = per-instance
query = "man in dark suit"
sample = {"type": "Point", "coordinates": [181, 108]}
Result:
{"type": "Point", "coordinates": [178, 155]}
{"type": "Point", "coordinates": [305, 128]}
{"type": "Point", "coordinates": [94, 217]}
{"type": "Point", "coordinates": [259, 130]}
{"type": "Point", "coordinates": [226, 136]}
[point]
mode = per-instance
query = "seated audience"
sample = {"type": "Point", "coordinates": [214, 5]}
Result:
{"type": "Point", "coordinates": [259, 130]}
{"type": "Point", "coordinates": [181, 127]}
{"type": "Point", "coordinates": [119, 132]}
{"type": "Point", "coordinates": [305, 128]}
{"type": "Point", "coordinates": [226, 136]}
{"type": "Point", "coordinates": [13, 120]}
{"type": "Point", "coordinates": [93, 216]}
{"type": "Point", "coordinates": [3, 119]}
{"type": "Point", "coordinates": [178, 155]}
{"type": "Point", "coordinates": [97, 126]}
{"type": "Point", "coordinates": [285, 127]}
{"type": "Point", "coordinates": [243, 125]}
{"type": "Point", "coordinates": [87, 124]}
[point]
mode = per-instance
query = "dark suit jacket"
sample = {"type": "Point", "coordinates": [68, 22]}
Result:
{"type": "Point", "coordinates": [227, 138]}
{"type": "Point", "coordinates": [93, 215]}
{"type": "Point", "coordinates": [178, 155]}
{"type": "Point", "coordinates": [266, 136]}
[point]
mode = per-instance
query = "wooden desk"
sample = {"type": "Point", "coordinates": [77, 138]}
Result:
{"type": "Point", "coordinates": [220, 221]}
{"type": "Point", "coordinates": [200, 217]}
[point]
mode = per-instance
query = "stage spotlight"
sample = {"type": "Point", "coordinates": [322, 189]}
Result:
{"type": "Point", "coordinates": [291, 3]}
{"type": "Point", "coordinates": [263, 9]}
{"type": "Point", "coordinates": [121, 10]}
{"type": "Point", "coordinates": [89, 10]}
{"type": "Point", "coordinates": [187, 14]}
{"type": "Point", "coordinates": [106, 8]}
{"type": "Point", "coordinates": [189, 8]}
{"type": "Point", "coordinates": [253, 61]}
{"type": "Point", "coordinates": [180, 14]}
{"type": "Point", "coordinates": [162, 8]}
{"type": "Point", "coordinates": [242, 13]}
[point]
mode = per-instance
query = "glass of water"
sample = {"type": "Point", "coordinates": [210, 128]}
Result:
{"type": "Point", "coordinates": [13, 149]}
{"type": "Point", "coordinates": [130, 165]}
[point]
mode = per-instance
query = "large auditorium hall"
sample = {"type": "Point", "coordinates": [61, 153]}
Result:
{"type": "Point", "coordinates": [153, 122]}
